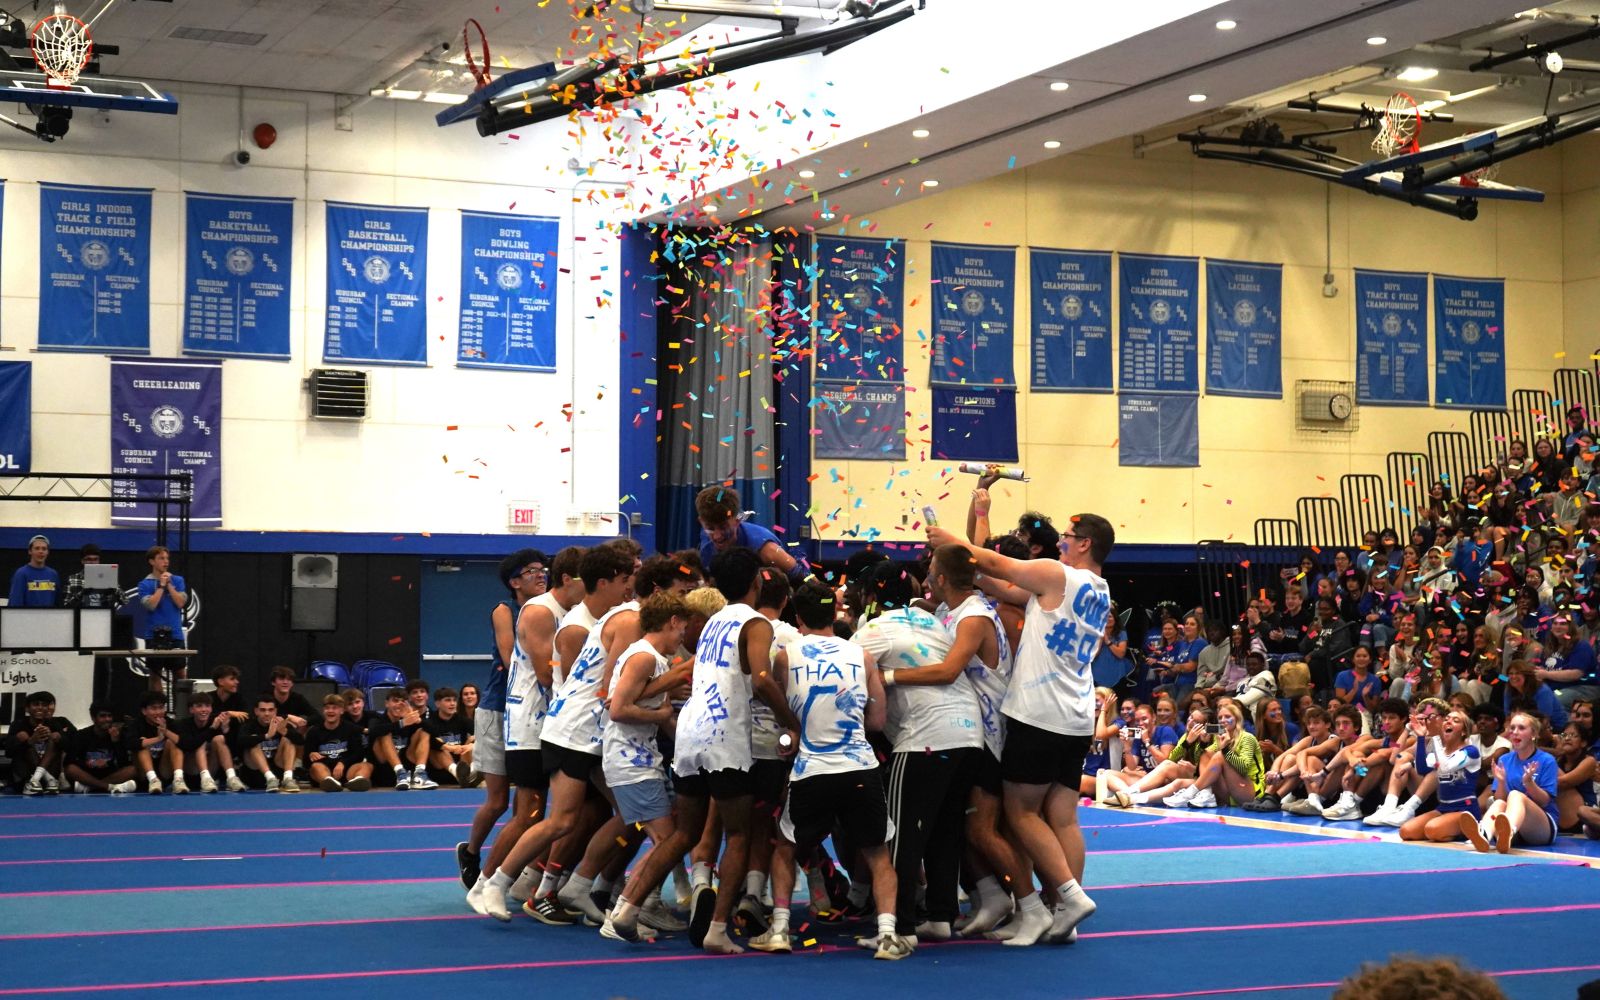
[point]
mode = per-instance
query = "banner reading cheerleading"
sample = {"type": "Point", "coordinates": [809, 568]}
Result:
{"type": "Point", "coordinates": [508, 292]}
{"type": "Point", "coordinates": [94, 269]}
{"type": "Point", "coordinates": [1071, 320]}
{"type": "Point", "coordinates": [238, 263]}
{"type": "Point", "coordinates": [377, 285]}
{"type": "Point", "coordinates": [166, 418]}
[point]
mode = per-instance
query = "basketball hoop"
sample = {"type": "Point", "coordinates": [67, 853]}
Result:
{"type": "Point", "coordinates": [480, 72]}
{"type": "Point", "coordinates": [61, 46]}
{"type": "Point", "coordinates": [1399, 125]}
{"type": "Point", "coordinates": [1481, 176]}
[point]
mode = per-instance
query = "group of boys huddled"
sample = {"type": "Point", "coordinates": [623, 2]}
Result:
{"type": "Point", "coordinates": [938, 742]}
{"type": "Point", "coordinates": [228, 742]}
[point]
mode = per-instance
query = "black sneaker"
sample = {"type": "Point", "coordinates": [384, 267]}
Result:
{"type": "Point", "coordinates": [1264, 804]}
{"type": "Point", "coordinates": [547, 911]}
{"type": "Point", "coordinates": [751, 916]}
{"type": "Point", "coordinates": [702, 909]}
{"type": "Point", "coordinates": [837, 884]}
{"type": "Point", "coordinates": [469, 864]}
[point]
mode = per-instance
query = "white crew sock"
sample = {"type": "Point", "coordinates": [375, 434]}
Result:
{"type": "Point", "coordinates": [548, 882]}
{"type": "Point", "coordinates": [500, 880]}
{"type": "Point", "coordinates": [149, 776]}
{"type": "Point", "coordinates": [601, 884]}
{"type": "Point", "coordinates": [755, 883]}
{"type": "Point", "coordinates": [1413, 804]}
{"type": "Point", "coordinates": [1068, 889]}
{"type": "Point", "coordinates": [230, 774]}
{"type": "Point", "coordinates": [576, 888]}
{"type": "Point", "coordinates": [625, 912]}
{"type": "Point", "coordinates": [885, 925]}
{"type": "Point", "coordinates": [1316, 801]}
{"type": "Point", "coordinates": [700, 875]}
{"type": "Point", "coordinates": [780, 919]}
{"type": "Point", "coordinates": [177, 775]}
{"type": "Point", "coordinates": [1391, 803]}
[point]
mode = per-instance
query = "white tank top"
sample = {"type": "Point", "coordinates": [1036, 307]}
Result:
{"type": "Point", "coordinates": [989, 685]}
{"type": "Point", "coordinates": [577, 716]}
{"type": "Point", "coordinates": [921, 717]}
{"type": "Point", "coordinates": [525, 698]}
{"type": "Point", "coordinates": [1052, 686]}
{"type": "Point", "coordinates": [631, 752]}
{"type": "Point", "coordinates": [714, 726]}
{"type": "Point", "coordinates": [579, 616]}
{"type": "Point", "coordinates": [828, 693]}
{"type": "Point", "coordinates": [764, 730]}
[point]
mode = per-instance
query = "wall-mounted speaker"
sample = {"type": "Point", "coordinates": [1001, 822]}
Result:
{"type": "Point", "coordinates": [313, 592]}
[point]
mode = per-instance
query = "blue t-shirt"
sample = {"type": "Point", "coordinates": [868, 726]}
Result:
{"type": "Point", "coordinates": [1580, 658]}
{"type": "Point", "coordinates": [1186, 651]}
{"type": "Point", "coordinates": [1292, 731]}
{"type": "Point", "coordinates": [493, 695]}
{"type": "Point", "coordinates": [750, 536]}
{"type": "Point", "coordinates": [1165, 736]}
{"type": "Point", "coordinates": [1544, 699]}
{"type": "Point", "coordinates": [165, 613]}
{"type": "Point", "coordinates": [35, 588]}
{"type": "Point", "coordinates": [1546, 777]}
{"type": "Point", "coordinates": [1366, 694]}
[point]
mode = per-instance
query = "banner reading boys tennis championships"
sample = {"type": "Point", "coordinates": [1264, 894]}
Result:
{"type": "Point", "coordinates": [1071, 319]}
{"type": "Point", "coordinates": [377, 285]}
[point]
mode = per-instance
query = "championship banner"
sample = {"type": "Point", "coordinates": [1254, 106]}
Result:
{"type": "Point", "coordinates": [94, 269]}
{"type": "Point", "coordinates": [377, 285]}
{"type": "Point", "coordinates": [1469, 335]}
{"type": "Point", "coordinates": [976, 423]}
{"type": "Point", "coordinates": [508, 292]}
{"type": "Point", "coordinates": [1244, 329]}
{"type": "Point", "coordinates": [1071, 320]}
{"type": "Point", "coordinates": [238, 263]}
{"type": "Point", "coordinates": [1160, 299]}
{"type": "Point", "coordinates": [166, 418]}
{"type": "Point", "coordinates": [1159, 430]}
{"type": "Point", "coordinates": [860, 309]}
{"type": "Point", "coordinates": [1391, 338]}
{"type": "Point", "coordinates": [859, 420]}
{"type": "Point", "coordinates": [974, 304]}
{"type": "Point", "coordinates": [16, 417]}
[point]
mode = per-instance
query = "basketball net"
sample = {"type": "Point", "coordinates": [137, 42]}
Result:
{"type": "Point", "coordinates": [1399, 127]}
{"type": "Point", "coordinates": [62, 44]}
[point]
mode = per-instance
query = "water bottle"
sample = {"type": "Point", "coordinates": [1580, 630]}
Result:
{"type": "Point", "coordinates": [1003, 471]}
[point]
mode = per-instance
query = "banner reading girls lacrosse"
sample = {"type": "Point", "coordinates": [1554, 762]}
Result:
{"type": "Point", "coordinates": [238, 261]}
{"type": "Point", "coordinates": [508, 292]}
{"type": "Point", "coordinates": [166, 418]}
{"type": "Point", "coordinates": [94, 269]}
{"type": "Point", "coordinates": [1391, 338]}
{"type": "Point", "coordinates": [377, 285]}
{"type": "Point", "coordinates": [1244, 329]}
{"type": "Point", "coordinates": [1469, 333]}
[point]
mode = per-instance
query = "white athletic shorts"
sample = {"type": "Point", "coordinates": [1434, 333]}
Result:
{"type": "Point", "coordinates": [489, 748]}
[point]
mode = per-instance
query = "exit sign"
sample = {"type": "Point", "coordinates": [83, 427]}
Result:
{"type": "Point", "coordinates": [522, 515]}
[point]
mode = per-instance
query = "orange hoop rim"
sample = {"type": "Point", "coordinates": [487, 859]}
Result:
{"type": "Point", "coordinates": [61, 74]}
{"type": "Point", "coordinates": [480, 73]}
{"type": "Point", "coordinates": [1393, 111]}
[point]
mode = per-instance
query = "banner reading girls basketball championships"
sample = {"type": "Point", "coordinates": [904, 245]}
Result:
{"type": "Point", "coordinates": [238, 260]}
{"type": "Point", "coordinates": [94, 269]}
{"type": "Point", "coordinates": [16, 417]}
{"type": "Point", "coordinates": [1391, 338]}
{"type": "Point", "coordinates": [974, 301]}
{"type": "Point", "coordinates": [166, 418]}
{"type": "Point", "coordinates": [1071, 319]}
{"type": "Point", "coordinates": [1469, 334]}
{"type": "Point", "coordinates": [508, 292]}
{"type": "Point", "coordinates": [860, 309]}
{"type": "Point", "coordinates": [377, 285]}
{"type": "Point", "coordinates": [1244, 329]}
{"type": "Point", "coordinates": [1159, 325]}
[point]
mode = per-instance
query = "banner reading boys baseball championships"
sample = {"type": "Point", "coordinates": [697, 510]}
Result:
{"type": "Point", "coordinates": [377, 285]}
{"type": "Point", "coordinates": [1469, 341]}
{"type": "Point", "coordinates": [238, 259]}
{"type": "Point", "coordinates": [860, 309]}
{"type": "Point", "coordinates": [16, 417]}
{"type": "Point", "coordinates": [974, 301]}
{"type": "Point", "coordinates": [1071, 320]}
{"type": "Point", "coordinates": [94, 269]}
{"type": "Point", "coordinates": [166, 418]}
{"type": "Point", "coordinates": [1244, 329]}
{"type": "Point", "coordinates": [859, 420]}
{"type": "Point", "coordinates": [1391, 338]}
{"type": "Point", "coordinates": [508, 292]}
{"type": "Point", "coordinates": [1159, 325]}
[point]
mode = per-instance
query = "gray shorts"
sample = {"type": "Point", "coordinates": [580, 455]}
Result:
{"type": "Point", "coordinates": [643, 801]}
{"type": "Point", "coordinates": [489, 746]}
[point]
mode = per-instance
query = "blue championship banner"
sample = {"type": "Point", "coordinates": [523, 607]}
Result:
{"type": "Point", "coordinates": [1391, 338]}
{"type": "Point", "coordinates": [238, 262]}
{"type": "Point", "coordinates": [1469, 334]}
{"type": "Point", "coordinates": [859, 420]}
{"type": "Point", "coordinates": [508, 292]}
{"type": "Point", "coordinates": [16, 417]}
{"type": "Point", "coordinates": [94, 269]}
{"type": "Point", "coordinates": [1158, 430]}
{"type": "Point", "coordinates": [1244, 329]}
{"type": "Point", "coordinates": [975, 422]}
{"type": "Point", "coordinates": [166, 418]}
{"type": "Point", "coordinates": [974, 301]}
{"type": "Point", "coordinates": [1071, 320]}
{"type": "Point", "coordinates": [860, 309]}
{"type": "Point", "coordinates": [377, 285]}
{"type": "Point", "coordinates": [1160, 296]}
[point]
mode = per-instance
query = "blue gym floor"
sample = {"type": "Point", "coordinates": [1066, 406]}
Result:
{"type": "Point", "coordinates": [265, 896]}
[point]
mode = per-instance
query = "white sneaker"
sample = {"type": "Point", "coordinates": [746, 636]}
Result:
{"type": "Point", "coordinates": [1400, 816]}
{"type": "Point", "coordinates": [1206, 799]}
{"type": "Point", "coordinates": [893, 947]}
{"type": "Point", "coordinates": [34, 785]}
{"type": "Point", "coordinates": [402, 779]}
{"type": "Point", "coordinates": [420, 779]}
{"type": "Point", "coordinates": [81, 788]}
{"type": "Point", "coordinates": [179, 786]}
{"type": "Point", "coordinates": [773, 940]}
{"type": "Point", "coordinates": [288, 784]}
{"type": "Point", "coordinates": [235, 784]}
{"type": "Point", "coordinates": [208, 784]}
{"type": "Point", "coordinates": [1300, 807]}
{"type": "Point", "coordinates": [1347, 808]}
{"type": "Point", "coordinates": [125, 788]}
{"type": "Point", "coordinates": [1181, 797]}
{"type": "Point", "coordinates": [1380, 817]}
{"type": "Point", "coordinates": [654, 914]}
{"type": "Point", "coordinates": [272, 782]}
{"type": "Point", "coordinates": [51, 785]}
{"type": "Point", "coordinates": [155, 787]}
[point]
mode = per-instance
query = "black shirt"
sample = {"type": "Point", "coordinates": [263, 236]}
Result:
{"type": "Point", "coordinates": [192, 737]}
{"type": "Point", "coordinates": [295, 704]}
{"type": "Point", "coordinates": [1294, 629]}
{"type": "Point", "coordinates": [22, 730]}
{"type": "Point", "coordinates": [456, 729]}
{"type": "Point", "coordinates": [399, 732]}
{"type": "Point", "coordinates": [225, 703]}
{"type": "Point", "coordinates": [340, 744]}
{"type": "Point", "coordinates": [143, 730]}
{"type": "Point", "coordinates": [96, 750]}
{"type": "Point", "coordinates": [365, 724]}
{"type": "Point", "coordinates": [253, 734]}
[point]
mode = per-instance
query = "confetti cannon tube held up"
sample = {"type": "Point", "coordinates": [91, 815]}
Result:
{"type": "Point", "coordinates": [1003, 471]}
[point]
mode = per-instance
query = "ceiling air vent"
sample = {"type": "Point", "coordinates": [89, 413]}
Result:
{"type": "Point", "coordinates": [190, 33]}
{"type": "Point", "coordinates": [337, 394]}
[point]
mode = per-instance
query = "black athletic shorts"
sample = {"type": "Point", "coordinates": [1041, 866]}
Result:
{"type": "Point", "coordinates": [986, 773]}
{"type": "Point", "coordinates": [525, 769]}
{"type": "Point", "coordinates": [728, 783]}
{"type": "Point", "coordinates": [852, 800]}
{"type": "Point", "coordinates": [575, 764]}
{"type": "Point", "coordinates": [767, 778]}
{"type": "Point", "coordinates": [1034, 756]}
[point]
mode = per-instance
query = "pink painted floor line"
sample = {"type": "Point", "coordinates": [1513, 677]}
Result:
{"type": "Point", "coordinates": [1347, 921]}
{"type": "Point", "coordinates": [141, 814]}
{"type": "Point", "coordinates": [242, 857]}
{"type": "Point", "coordinates": [232, 830]}
{"type": "Point", "coordinates": [1554, 970]}
{"type": "Point", "coordinates": [240, 885]}
{"type": "Point", "coordinates": [60, 935]}
{"type": "Point", "coordinates": [1319, 842]}
{"type": "Point", "coordinates": [1318, 875]}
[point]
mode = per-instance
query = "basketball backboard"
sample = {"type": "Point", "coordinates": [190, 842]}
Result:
{"type": "Point", "coordinates": [26, 87]}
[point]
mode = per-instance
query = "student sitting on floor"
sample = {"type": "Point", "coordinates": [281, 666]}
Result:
{"type": "Point", "coordinates": [1575, 787]}
{"type": "Point", "coordinates": [201, 743]}
{"type": "Point", "coordinates": [1303, 771]}
{"type": "Point", "coordinates": [37, 743]}
{"type": "Point", "coordinates": [1181, 765]}
{"type": "Point", "coordinates": [1367, 764]}
{"type": "Point", "coordinates": [400, 745]}
{"type": "Point", "coordinates": [450, 737]}
{"type": "Point", "coordinates": [335, 758]}
{"type": "Point", "coordinates": [293, 708]}
{"type": "Point", "coordinates": [155, 745]}
{"type": "Point", "coordinates": [1325, 775]}
{"type": "Point", "coordinates": [1412, 774]}
{"type": "Point", "coordinates": [264, 745]}
{"type": "Point", "coordinates": [1455, 762]}
{"type": "Point", "coordinates": [98, 758]}
{"type": "Point", "coordinates": [1232, 769]}
{"type": "Point", "coordinates": [1524, 806]}
{"type": "Point", "coordinates": [417, 697]}
{"type": "Point", "coordinates": [355, 710]}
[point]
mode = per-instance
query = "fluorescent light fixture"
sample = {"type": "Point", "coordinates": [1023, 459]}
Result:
{"type": "Point", "coordinates": [1059, 85]}
{"type": "Point", "coordinates": [1416, 74]}
{"type": "Point", "coordinates": [919, 133]}
{"type": "Point", "coordinates": [828, 216]}
{"type": "Point", "coordinates": [1227, 24]}
{"type": "Point", "coordinates": [1378, 40]}
{"type": "Point", "coordinates": [1052, 144]}
{"type": "Point", "coordinates": [806, 175]}
{"type": "Point", "coordinates": [426, 96]}
{"type": "Point", "coordinates": [930, 184]}
{"type": "Point", "coordinates": [1197, 98]}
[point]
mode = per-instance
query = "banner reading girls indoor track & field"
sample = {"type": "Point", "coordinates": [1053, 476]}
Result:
{"type": "Point", "coordinates": [238, 260]}
{"type": "Point", "coordinates": [974, 301]}
{"type": "Point", "coordinates": [166, 418]}
{"type": "Point", "coordinates": [1469, 334]}
{"type": "Point", "coordinates": [94, 269]}
{"type": "Point", "coordinates": [860, 309]}
{"type": "Point", "coordinates": [377, 285]}
{"type": "Point", "coordinates": [1071, 319]}
{"type": "Point", "coordinates": [859, 420]}
{"type": "Point", "coordinates": [16, 417]}
{"type": "Point", "coordinates": [1391, 338]}
{"type": "Point", "coordinates": [1159, 324]}
{"type": "Point", "coordinates": [1244, 329]}
{"type": "Point", "coordinates": [508, 292]}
